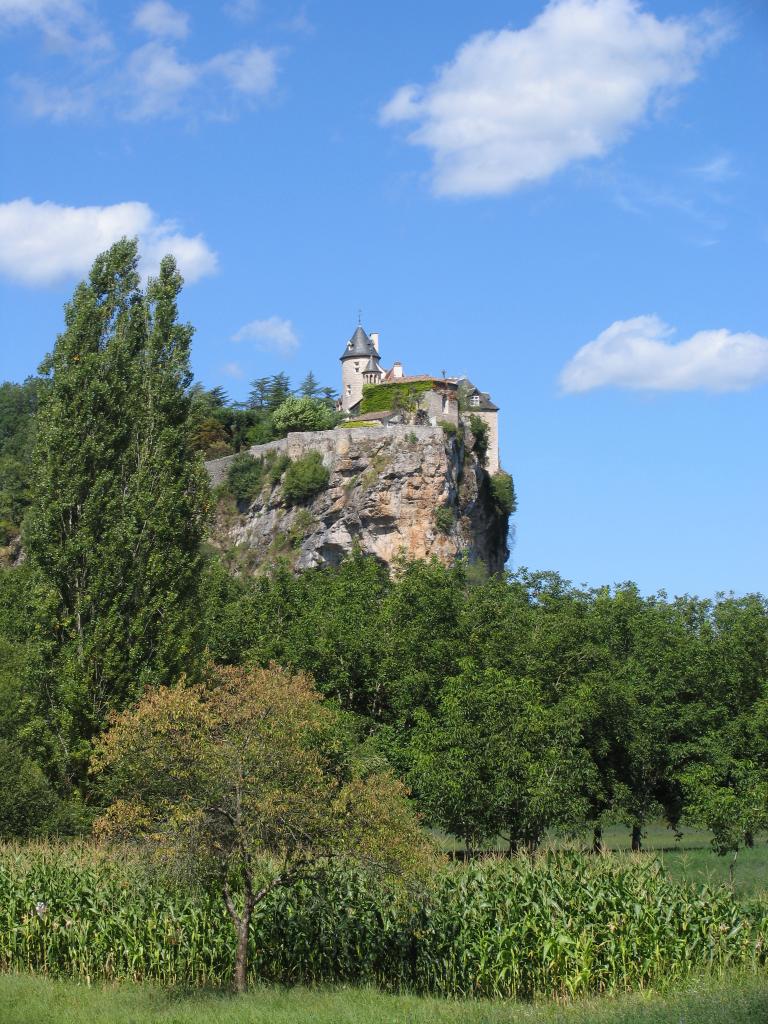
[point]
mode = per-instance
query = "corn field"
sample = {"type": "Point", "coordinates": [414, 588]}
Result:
{"type": "Point", "coordinates": [560, 925]}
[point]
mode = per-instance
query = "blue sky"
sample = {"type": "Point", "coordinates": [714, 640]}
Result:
{"type": "Point", "coordinates": [565, 201]}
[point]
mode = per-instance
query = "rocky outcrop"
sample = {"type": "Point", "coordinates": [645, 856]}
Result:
{"type": "Point", "coordinates": [385, 488]}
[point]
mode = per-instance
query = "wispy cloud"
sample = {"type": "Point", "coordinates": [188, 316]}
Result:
{"type": "Point", "coordinates": [274, 334]}
{"type": "Point", "coordinates": [300, 22]}
{"type": "Point", "coordinates": [67, 26]}
{"type": "Point", "coordinates": [639, 354]}
{"type": "Point", "coordinates": [233, 370]}
{"type": "Point", "coordinates": [242, 10]}
{"type": "Point", "coordinates": [515, 106]}
{"type": "Point", "coordinates": [158, 18]}
{"type": "Point", "coordinates": [160, 83]}
{"type": "Point", "coordinates": [42, 243]}
{"type": "Point", "coordinates": [717, 170]}
{"type": "Point", "coordinates": [149, 81]}
{"type": "Point", "coordinates": [54, 102]}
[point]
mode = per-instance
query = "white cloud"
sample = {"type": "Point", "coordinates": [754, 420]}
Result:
{"type": "Point", "coordinates": [159, 18]}
{"type": "Point", "coordinates": [271, 335]}
{"type": "Point", "coordinates": [252, 71]}
{"type": "Point", "coordinates": [515, 106]}
{"type": "Point", "coordinates": [232, 370]}
{"type": "Point", "coordinates": [66, 25]}
{"type": "Point", "coordinates": [159, 81]}
{"type": "Point", "coordinates": [638, 354]}
{"type": "Point", "coordinates": [42, 243]}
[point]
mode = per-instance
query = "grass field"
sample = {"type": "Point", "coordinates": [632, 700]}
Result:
{"type": "Point", "coordinates": [25, 999]}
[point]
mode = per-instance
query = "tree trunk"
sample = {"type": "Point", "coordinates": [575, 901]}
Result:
{"type": "Point", "coordinates": [637, 838]}
{"type": "Point", "coordinates": [597, 840]}
{"type": "Point", "coordinates": [241, 923]}
{"type": "Point", "coordinates": [240, 977]}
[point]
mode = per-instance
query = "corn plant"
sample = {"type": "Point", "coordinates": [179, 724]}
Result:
{"type": "Point", "coordinates": [560, 925]}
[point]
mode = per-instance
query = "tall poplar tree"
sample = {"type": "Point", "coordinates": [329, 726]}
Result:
{"type": "Point", "coordinates": [119, 504]}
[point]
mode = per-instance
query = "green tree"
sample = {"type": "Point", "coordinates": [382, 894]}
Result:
{"type": "Point", "coordinates": [303, 414]}
{"type": "Point", "coordinates": [27, 800]}
{"type": "Point", "coordinates": [496, 759]}
{"type": "Point", "coordinates": [18, 405]}
{"type": "Point", "coordinates": [257, 399]}
{"type": "Point", "coordinates": [309, 387]}
{"type": "Point", "coordinates": [119, 503]}
{"type": "Point", "coordinates": [220, 777]}
{"type": "Point", "coordinates": [278, 389]}
{"type": "Point", "coordinates": [730, 798]}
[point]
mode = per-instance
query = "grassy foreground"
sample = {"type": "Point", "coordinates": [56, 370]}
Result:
{"type": "Point", "coordinates": [25, 999]}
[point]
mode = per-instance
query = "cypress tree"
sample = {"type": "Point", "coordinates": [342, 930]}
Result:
{"type": "Point", "coordinates": [119, 504]}
{"type": "Point", "coordinates": [309, 387]}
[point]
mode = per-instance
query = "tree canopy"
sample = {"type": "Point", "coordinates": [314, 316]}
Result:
{"type": "Point", "coordinates": [118, 504]}
{"type": "Point", "coordinates": [254, 764]}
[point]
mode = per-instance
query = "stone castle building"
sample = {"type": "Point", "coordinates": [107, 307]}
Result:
{"type": "Point", "coordinates": [437, 399]}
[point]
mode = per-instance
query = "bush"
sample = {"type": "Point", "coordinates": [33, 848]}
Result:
{"type": "Point", "coordinates": [444, 519]}
{"type": "Point", "coordinates": [481, 434]}
{"type": "Point", "coordinates": [503, 491]}
{"type": "Point", "coordinates": [245, 477]}
{"type": "Point", "coordinates": [305, 478]}
{"type": "Point", "coordinates": [449, 429]}
{"type": "Point", "coordinates": [361, 423]}
{"type": "Point", "coordinates": [276, 464]}
{"type": "Point", "coordinates": [303, 414]}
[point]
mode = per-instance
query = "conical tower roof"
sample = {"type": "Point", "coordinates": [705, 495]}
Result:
{"type": "Point", "coordinates": [359, 346]}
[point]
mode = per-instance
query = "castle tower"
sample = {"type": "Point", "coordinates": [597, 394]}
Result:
{"type": "Point", "coordinates": [359, 365]}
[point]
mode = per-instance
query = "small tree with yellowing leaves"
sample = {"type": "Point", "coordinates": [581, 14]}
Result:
{"type": "Point", "coordinates": [218, 777]}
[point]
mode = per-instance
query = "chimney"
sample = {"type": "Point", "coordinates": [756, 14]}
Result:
{"type": "Point", "coordinates": [397, 370]}
{"type": "Point", "coordinates": [374, 336]}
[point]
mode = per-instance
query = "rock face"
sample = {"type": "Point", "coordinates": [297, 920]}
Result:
{"type": "Point", "coordinates": [386, 485]}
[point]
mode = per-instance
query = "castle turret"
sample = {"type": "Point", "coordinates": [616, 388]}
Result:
{"type": "Point", "coordinates": [359, 365]}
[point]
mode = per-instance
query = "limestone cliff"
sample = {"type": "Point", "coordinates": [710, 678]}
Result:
{"type": "Point", "coordinates": [385, 488]}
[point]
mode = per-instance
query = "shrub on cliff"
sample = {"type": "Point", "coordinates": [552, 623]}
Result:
{"type": "Point", "coordinates": [503, 490]}
{"type": "Point", "coordinates": [303, 414]}
{"type": "Point", "coordinates": [444, 519]}
{"type": "Point", "coordinates": [305, 478]}
{"type": "Point", "coordinates": [245, 476]}
{"type": "Point", "coordinates": [480, 432]}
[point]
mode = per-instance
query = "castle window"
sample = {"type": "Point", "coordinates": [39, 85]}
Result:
{"type": "Point", "coordinates": [357, 367]}
{"type": "Point", "coordinates": [474, 400]}
{"type": "Point", "coordinates": [349, 389]}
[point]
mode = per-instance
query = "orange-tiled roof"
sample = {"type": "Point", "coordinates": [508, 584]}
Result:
{"type": "Point", "coordinates": [413, 377]}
